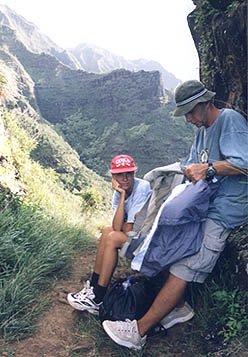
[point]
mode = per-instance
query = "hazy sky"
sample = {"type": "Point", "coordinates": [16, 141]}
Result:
{"type": "Point", "coordinates": [152, 29]}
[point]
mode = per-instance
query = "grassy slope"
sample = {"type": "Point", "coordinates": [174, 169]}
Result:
{"type": "Point", "coordinates": [41, 226]}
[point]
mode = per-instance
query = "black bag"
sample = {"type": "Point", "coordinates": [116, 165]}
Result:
{"type": "Point", "coordinates": [130, 303]}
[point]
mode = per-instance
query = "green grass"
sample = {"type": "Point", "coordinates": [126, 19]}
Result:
{"type": "Point", "coordinates": [221, 306]}
{"type": "Point", "coordinates": [89, 327]}
{"type": "Point", "coordinates": [42, 225]}
{"type": "Point", "coordinates": [34, 251]}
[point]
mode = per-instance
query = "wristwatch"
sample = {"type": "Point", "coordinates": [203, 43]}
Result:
{"type": "Point", "coordinates": [211, 171]}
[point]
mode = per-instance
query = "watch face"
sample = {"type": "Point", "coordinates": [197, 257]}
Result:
{"type": "Point", "coordinates": [210, 172]}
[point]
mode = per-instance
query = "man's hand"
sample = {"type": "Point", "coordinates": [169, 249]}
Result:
{"type": "Point", "coordinates": [196, 172]}
{"type": "Point", "coordinates": [116, 186]}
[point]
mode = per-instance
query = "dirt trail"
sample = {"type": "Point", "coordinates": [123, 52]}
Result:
{"type": "Point", "coordinates": [57, 334]}
{"type": "Point", "coordinates": [55, 337]}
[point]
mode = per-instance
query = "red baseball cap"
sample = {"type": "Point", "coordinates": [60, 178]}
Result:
{"type": "Point", "coordinates": [122, 163]}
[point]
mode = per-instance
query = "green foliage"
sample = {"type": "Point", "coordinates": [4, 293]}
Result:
{"type": "Point", "coordinates": [232, 313]}
{"type": "Point", "coordinates": [138, 132]}
{"type": "Point", "coordinates": [17, 143]}
{"type": "Point", "coordinates": [232, 8]}
{"type": "Point", "coordinates": [38, 231]}
{"type": "Point", "coordinates": [153, 138]}
{"type": "Point", "coordinates": [94, 113]}
{"type": "Point", "coordinates": [46, 187]}
{"type": "Point", "coordinates": [91, 199]}
{"type": "Point", "coordinates": [53, 152]}
{"type": "Point", "coordinates": [224, 313]}
{"type": "Point", "coordinates": [202, 18]}
{"type": "Point", "coordinates": [33, 249]}
{"type": "Point", "coordinates": [222, 309]}
{"type": "Point", "coordinates": [102, 115]}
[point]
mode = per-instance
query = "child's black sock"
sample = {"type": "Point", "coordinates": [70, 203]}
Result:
{"type": "Point", "coordinates": [94, 279]}
{"type": "Point", "coordinates": [99, 292]}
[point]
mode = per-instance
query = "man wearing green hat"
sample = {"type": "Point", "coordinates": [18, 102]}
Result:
{"type": "Point", "coordinates": [219, 152]}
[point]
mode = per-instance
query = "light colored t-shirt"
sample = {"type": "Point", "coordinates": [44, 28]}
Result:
{"type": "Point", "coordinates": [133, 204]}
{"type": "Point", "coordinates": [226, 139]}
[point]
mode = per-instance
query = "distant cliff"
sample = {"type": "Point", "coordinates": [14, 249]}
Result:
{"type": "Point", "coordinates": [87, 57]}
{"type": "Point", "coordinates": [99, 115]}
{"type": "Point", "coordinates": [219, 30]}
{"type": "Point", "coordinates": [98, 60]}
{"type": "Point", "coordinates": [29, 34]}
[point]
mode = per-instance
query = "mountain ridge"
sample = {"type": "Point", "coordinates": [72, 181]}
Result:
{"type": "Point", "coordinates": [96, 59]}
{"type": "Point", "coordinates": [100, 115]}
{"type": "Point", "coordinates": [37, 42]}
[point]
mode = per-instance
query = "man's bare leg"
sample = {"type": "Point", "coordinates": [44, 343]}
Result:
{"type": "Point", "coordinates": [169, 296]}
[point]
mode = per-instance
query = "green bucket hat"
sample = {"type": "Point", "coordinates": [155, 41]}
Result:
{"type": "Point", "coordinates": [189, 94]}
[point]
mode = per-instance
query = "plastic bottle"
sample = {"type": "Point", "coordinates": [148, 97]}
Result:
{"type": "Point", "coordinates": [126, 283]}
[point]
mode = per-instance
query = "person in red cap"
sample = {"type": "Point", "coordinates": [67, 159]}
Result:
{"type": "Point", "coordinates": [130, 194]}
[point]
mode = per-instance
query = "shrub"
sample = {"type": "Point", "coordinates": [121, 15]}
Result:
{"type": "Point", "coordinates": [91, 199]}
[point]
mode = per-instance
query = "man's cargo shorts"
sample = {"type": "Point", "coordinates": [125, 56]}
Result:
{"type": "Point", "coordinates": [197, 267]}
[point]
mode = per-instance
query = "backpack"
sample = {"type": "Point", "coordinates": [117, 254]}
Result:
{"type": "Point", "coordinates": [130, 303]}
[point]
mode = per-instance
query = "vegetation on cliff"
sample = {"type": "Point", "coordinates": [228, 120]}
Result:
{"type": "Point", "coordinates": [101, 115]}
{"type": "Point", "coordinates": [41, 225]}
{"type": "Point", "coordinates": [219, 30]}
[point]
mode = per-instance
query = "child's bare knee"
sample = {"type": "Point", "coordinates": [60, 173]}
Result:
{"type": "Point", "coordinates": [106, 230]}
{"type": "Point", "coordinates": [116, 239]}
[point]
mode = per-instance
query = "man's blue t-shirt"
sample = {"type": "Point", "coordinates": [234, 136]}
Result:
{"type": "Point", "coordinates": [133, 204]}
{"type": "Point", "coordinates": [226, 139]}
